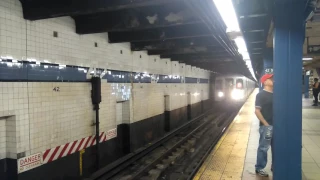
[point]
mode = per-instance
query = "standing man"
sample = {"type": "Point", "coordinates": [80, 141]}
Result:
{"type": "Point", "coordinates": [264, 112]}
{"type": "Point", "coordinates": [315, 91]}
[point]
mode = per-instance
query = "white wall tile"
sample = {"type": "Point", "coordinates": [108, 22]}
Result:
{"type": "Point", "coordinates": [44, 118]}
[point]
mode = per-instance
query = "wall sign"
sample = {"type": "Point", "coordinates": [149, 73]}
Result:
{"type": "Point", "coordinates": [314, 49]}
{"type": "Point", "coordinates": [268, 71]}
{"type": "Point", "coordinates": [111, 134]}
{"type": "Point", "coordinates": [57, 89]}
{"type": "Point", "coordinates": [29, 162]}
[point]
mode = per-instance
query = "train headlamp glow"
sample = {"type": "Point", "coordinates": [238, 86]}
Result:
{"type": "Point", "coordinates": [237, 94]}
{"type": "Point", "coordinates": [220, 94]}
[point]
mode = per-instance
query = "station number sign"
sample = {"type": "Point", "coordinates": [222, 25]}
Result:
{"type": "Point", "coordinates": [314, 49]}
{"type": "Point", "coordinates": [268, 70]}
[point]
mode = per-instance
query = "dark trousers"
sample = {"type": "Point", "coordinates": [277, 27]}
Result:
{"type": "Point", "coordinates": [315, 95]}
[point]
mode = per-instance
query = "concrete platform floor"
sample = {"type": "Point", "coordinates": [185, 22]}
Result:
{"type": "Point", "coordinates": [234, 156]}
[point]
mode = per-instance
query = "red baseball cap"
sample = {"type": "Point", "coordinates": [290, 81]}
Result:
{"type": "Point", "coordinates": [265, 77]}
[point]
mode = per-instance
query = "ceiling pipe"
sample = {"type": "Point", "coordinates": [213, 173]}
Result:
{"type": "Point", "coordinates": [310, 9]}
{"type": "Point", "coordinates": [196, 7]}
{"type": "Point", "coordinates": [205, 10]}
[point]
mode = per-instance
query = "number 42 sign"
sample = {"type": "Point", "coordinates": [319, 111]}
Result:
{"type": "Point", "coordinates": [268, 70]}
{"type": "Point", "coordinates": [57, 89]}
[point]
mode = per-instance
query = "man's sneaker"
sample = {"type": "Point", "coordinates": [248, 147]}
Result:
{"type": "Point", "coordinates": [262, 173]}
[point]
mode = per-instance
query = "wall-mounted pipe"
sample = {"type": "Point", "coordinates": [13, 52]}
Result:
{"type": "Point", "coordinates": [96, 99]}
{"type": "Point", "coordinates": [96, 107]}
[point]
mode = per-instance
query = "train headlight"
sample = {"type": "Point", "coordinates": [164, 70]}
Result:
{"type": "Point", "coordinates": [220, 94]}
{"type": "Point", "coordinates": [237, 94]}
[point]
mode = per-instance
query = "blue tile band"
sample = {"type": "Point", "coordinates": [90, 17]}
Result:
{"type": "Point", "coordinates": [43, 72]}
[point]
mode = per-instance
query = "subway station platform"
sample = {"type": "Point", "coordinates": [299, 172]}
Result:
{"type": "Point", "coordinates": [234, 156]}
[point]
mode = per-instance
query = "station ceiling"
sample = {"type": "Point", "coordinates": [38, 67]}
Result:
{"type": "Point", "coordinates": [256, 23]}
{"type": "Point", "coordinates": [312, 38]}
{"type": "Point", "coordinates": [254, 17]}
{"type": "Point", "coordinates": [188, 31]}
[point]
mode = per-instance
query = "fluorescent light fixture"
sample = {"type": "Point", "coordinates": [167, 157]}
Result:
{"type": "Point", "coordinates": [242, 48]}
{"type": "Point", "coordinates": [245, 56]}
{"type": "Point", "coordinates": [227, 12]}
{"type": "Point", "coordinates": [241, 44]}
{"type": "Point", "coordinates": [307, 59]}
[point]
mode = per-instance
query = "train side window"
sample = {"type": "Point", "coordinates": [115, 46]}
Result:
{"type": "Point", "coordinates": [229, 83]}
{"type": "Point", "coordinates": [239, 84]}
{"type": "Point", "coordinates": [219, 84]}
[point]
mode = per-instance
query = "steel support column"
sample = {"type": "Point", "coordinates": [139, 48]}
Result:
{"type": "Point", "coordinates": [288, 42]}
{"type": "Point", "coordinates": [306, 86]}
{"type": "Point", "coordinates": [267, 63]}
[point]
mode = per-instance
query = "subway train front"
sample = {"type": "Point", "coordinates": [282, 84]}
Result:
{"type": "Point", "coordinates": [233, 88]}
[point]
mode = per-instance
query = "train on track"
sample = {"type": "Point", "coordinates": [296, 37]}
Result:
{"type": "Point", "coordinates": [233, 88]}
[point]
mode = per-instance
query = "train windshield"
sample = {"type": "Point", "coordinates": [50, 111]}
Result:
{"type": "Point", "coordinates": [229, 83]}
{"type": "Point", "coordinates": [239, 84]}
{"type": "Point", "coordinates": [219, 84]}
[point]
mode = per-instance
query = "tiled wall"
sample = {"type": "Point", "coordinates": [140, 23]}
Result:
{"type": "Point", "coordinates": [42, 118]}
{"type": "Point", "coordinates": [178, 94]}
{"type": "Point", "coordinates": [8, 139]}
{"type": "Point", "coordinates": [52, 118]}
{"type": "Point", "coordinates": [3, 143]}
{"type": "Point", "coordinates": [148, 101]}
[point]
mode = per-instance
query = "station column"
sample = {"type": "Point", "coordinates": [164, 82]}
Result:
{"type": "Point", "coordinates": [267, 63]}
{"type": "Point", "coordinates": [288, 42]}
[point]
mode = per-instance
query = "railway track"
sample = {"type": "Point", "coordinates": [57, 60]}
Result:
{"type": "Point", "coordinates": [187, 166]}
{"type": "Point", "coordinates": [176, 156]}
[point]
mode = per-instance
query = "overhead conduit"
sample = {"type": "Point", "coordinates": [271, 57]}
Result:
{"type": "Point", "coordinates": [206, 10]}
{"type": "Point", "coordinates": [216, 28]}
{"type": "Point", "coordinates": [311, 10]}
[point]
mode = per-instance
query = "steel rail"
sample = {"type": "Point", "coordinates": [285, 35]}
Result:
{"type": "Point", "coordinates": [117, 166]}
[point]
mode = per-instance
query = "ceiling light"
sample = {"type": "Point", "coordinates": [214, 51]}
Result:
{"type": "Point", "coordinates": [227, 12]}
{"type": "Point", "coordinates": [307, 59]}
{"type": "Point", "coordinates": [242, 48]}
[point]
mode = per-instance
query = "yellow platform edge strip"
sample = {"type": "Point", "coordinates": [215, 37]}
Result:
{"type": "Point", "coordinates": [205, 164]}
